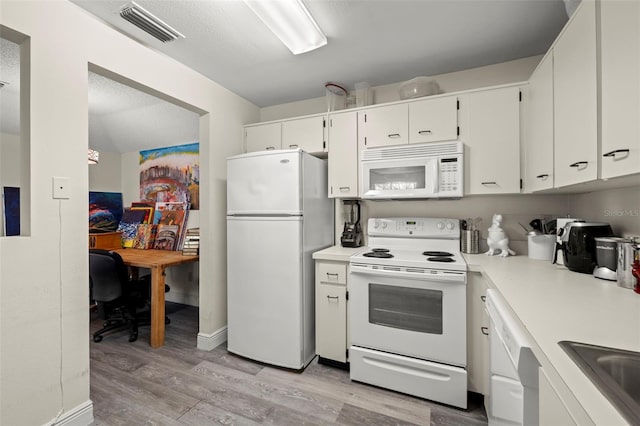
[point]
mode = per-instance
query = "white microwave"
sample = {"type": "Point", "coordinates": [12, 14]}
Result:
{"type": "Point", "coordinates": [431, 170]}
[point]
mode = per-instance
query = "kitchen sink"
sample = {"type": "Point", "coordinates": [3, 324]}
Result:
{"type": "Point", "coordinates": [615, 372]}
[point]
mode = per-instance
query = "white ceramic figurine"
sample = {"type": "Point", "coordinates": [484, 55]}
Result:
{"type": "Point", "coordinates": [497, 239]}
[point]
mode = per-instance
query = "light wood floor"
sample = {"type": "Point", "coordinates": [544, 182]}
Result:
{"type": "Point", "coordinates": [132, 384]}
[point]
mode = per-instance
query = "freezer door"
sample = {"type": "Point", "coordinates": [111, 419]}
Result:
{"type": "Point", "coordinates": [264, 289]}
{"type": "Point", "coordinates": [264, 183]}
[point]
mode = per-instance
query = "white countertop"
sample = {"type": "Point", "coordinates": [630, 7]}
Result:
{"type": "Point", "coordinates": [337, 253]}
{"type": "Point", "coordinates": [556, 304]}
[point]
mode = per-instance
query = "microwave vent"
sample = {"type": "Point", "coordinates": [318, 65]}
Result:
{"type": "Point", "coordinates": [412, 151]}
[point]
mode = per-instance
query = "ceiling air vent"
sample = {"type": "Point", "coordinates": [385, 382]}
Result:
{"type": "Point", "coordinates": [146, 21]}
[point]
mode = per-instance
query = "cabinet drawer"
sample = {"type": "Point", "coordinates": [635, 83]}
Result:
{"type": "Point", "coordinates": [105, 241]}
{"type": "Point", "coordinates": [329, 272]}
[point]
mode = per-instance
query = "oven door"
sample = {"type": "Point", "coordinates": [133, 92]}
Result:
{"type": "Point", "coordinates": [417, 316]}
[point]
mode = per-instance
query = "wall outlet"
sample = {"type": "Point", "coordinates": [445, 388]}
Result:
{"type": "Point", "coordinates": [61, 188]}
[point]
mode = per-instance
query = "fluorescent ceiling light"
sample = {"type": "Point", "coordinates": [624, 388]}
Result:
{"type": "Point", "coordinates": [291, 22]}
{"type": "Point", "coordinates": [148, 22]}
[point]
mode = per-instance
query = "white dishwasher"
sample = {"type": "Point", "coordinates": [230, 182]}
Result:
{"type": "Point", "coordinates": [513, 392]}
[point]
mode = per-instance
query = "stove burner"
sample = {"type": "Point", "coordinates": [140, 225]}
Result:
{"type": "Point", "coordinates": [440, 259]}
{"type": "Point", "coordinates": [437, 253]}
{"type": "Point", "coordinates": [380, 250]}
{"type": "Point", "coordinates": [378, 254]}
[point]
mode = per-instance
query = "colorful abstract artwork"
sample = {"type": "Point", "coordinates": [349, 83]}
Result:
{"type": "Point", "coordinates": [171, 174]}
{"type": "Point", "coordinates": [11, 208]}
{"type": "Point", "coordinates": [105, 210]}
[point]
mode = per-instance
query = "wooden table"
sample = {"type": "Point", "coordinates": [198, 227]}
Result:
{"type": "Point", "coordinates": [157, 261]}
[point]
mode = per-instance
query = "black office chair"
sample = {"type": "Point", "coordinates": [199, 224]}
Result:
{"type": "Point", "coordinates": [118, 298]}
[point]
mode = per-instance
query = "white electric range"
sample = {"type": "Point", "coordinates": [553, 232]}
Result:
{"type": "Point", "coordinates": [407, 296]}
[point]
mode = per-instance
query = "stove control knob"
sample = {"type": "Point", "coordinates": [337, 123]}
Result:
{"type": "Point", "coordinates": [450, 226]}
{"type": "Point", "coordinates": [440, 226]}
{"type": "Point", "coordinates": [384, 225]}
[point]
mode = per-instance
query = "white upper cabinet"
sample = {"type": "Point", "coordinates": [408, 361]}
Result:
{"type": "Point", "coordinates": [575, 99]}
{"type": "Point", "coordinates": [490, 129]}
{"type": "Point", "coordinates": [538, 143]}
{"type": "Point", "coordinates": [433, 120]}
{"type": "Point", "coordinates": [620, 74]}
{"type": "Point", "coordinates": [261, 137]}
{"type": "Point", "coordinates": [383, 126]}
{"type": "Point", "coordinates": [343, 155]}
{"type": "Point", "coordinates": [305, 133]}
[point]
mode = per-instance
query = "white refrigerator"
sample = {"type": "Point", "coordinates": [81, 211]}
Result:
{"type": "Point", "coordinates": [278, 214]}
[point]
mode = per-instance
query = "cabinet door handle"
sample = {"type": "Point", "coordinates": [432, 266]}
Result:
{"type": "Point", "coordinates": [293, 146]}
{"type": "Point", "coordinates": [345, 188]}
{"type": "Point", "coordinates": [579, 163]}
{"type": "Point", "coordinates": [542, 176]}
{"type": "Point", "coordinates": [616, 151]}
{"type": "Point", "coordinates": [394, 135]}
{"type": "Point", "coordinates": [489, 183]}
{"type": "Point", "coordinates": [333, 297]}
{"type": "Point", "coordinates": [483, 298]}
{"type": "Point", "coordinates": [484, 330]}
{"type": "Point", "coordinates": [331, 274]}
{"type": "Point", "coordinates": [424, 132]}
{"type": "Point", "coordinates": [270, 148]}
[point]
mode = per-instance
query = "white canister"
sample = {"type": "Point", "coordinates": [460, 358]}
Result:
{"type": "Point", "coordinates": [541, 246]}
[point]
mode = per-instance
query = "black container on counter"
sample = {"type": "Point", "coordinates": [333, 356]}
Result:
{"type": "Point", "coordinates": [579, 246]}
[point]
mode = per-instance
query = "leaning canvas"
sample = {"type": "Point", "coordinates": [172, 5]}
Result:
{"type": "Point", "coordinates": [11, 210]}
{"type": "Point", "coordinates": [105, 210]}
{"type": "Point", "coordinates": [171, 174]}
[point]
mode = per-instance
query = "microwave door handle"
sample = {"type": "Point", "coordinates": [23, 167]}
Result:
{"type": "Point", "coordinates": [432, 176]}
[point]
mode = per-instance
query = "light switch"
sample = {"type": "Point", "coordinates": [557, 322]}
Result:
{"type": "Point", "coordinates": [61, 187]}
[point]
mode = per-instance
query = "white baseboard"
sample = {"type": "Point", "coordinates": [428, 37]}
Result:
{"type": "Point", "coordinates": [207, 342]}
{"type": "Point", "coordinates": [82, 415]}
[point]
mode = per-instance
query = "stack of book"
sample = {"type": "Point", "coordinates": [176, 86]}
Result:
{"type": "Point", "coordinates": [191, 245]}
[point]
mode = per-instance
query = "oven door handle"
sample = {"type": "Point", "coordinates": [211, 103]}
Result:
{"type": "Point", "coordinates": [412, 273]}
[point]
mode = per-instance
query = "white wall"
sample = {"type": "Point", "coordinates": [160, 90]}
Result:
{"type": "Point", "coordinates": [44, 291]}
{"type": "Point", "coordinates": [618, 207]}
{"type": "Point", "coordinates": [515, 209]}
{"type": "Point", "coordinates": [105, 176]}
{"type": "Point", "coordinates": [490, 75]}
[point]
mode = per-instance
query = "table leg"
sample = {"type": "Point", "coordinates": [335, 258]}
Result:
{"type": "Point", "coordinates": [157, 307]}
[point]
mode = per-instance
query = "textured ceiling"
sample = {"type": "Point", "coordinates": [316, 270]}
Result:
{"type": "Point", "coordinates": [122, 119]}
{"type": "Point", "coordinates": [377, 41]}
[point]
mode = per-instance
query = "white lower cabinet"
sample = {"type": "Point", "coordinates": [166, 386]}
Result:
{"type": "Point", "coordinates": [477, 335]}
{"type": "Point", "coordinates": [331, 310]}
{"type": "Point", "coordinates": [552, 409]}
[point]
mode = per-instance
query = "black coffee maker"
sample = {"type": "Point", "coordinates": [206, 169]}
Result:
{"type": "Point", "coordinates": [352, 234]}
